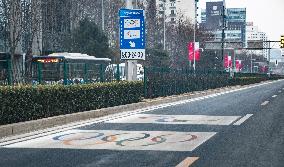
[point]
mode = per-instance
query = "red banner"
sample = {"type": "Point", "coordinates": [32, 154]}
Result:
{"type": "Point", "coordinates": [228, 61]}
{"type": "Point", "coordinates": [238, 65]}
{"type": "Point", "coordinates": [191, 49]}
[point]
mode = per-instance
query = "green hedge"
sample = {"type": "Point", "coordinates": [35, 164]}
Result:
{"type": "Point", "coordinates": [24, 103]}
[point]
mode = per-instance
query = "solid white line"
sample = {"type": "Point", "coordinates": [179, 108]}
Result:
{"type": "Point", "coordinates": [274, 96]}
{"type": "Point", "coordinates": [265, 103]}
{"type": "Point", "coordinates": [242, 120]}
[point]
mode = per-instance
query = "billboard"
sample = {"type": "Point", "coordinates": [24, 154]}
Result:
{"type": "Point", "coordinates": [214, 11]}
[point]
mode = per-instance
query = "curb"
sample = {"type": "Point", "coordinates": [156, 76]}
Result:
{"type": "Point", "coordinates": [40, 124]}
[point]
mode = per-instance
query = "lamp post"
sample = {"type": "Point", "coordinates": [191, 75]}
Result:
{"type": "Point", "coordinates": [164, 24]}
{"type": "Point", "coordinates": [194, 35]}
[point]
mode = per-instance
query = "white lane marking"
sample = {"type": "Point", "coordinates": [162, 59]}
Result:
{"type": "Point", "coordinates": [264, 103]}
{"type": "Point", "coordinates": [187, 162]}
{"type": "Point", "coordinates": [242, 120]}
{"type": "Point", "coordinates": [279, 91]}
{"type": "Point", "coordinates": [274, 96]}
{"type": "Point", "coordinates": [177, 119]}
{"type": "Point", "coordinates": [120, 140]}
{"type": "Point", "coordinates": [69, 126]}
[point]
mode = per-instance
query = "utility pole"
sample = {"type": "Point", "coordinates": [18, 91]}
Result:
{"type": "Point", "coordinates": [130, 65]}
{"type": "Point", "coordinates": [103, 16]}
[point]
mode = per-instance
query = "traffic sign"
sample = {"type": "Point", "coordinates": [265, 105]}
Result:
{"type": "Point", "coordinates": [282, 41]}
{"type": "Point", "coordinates": [132, 34]}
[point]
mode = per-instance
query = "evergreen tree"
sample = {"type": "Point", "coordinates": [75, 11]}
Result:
{"type": "Point", "coordinates": [88, 38]}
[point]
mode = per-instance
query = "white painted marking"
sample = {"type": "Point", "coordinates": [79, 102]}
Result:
{"type": "Point", "coordinates": [242, 120]}
{"type": "Point", "coordinates": [279, 91]}
{"type": "Point", "coordinates": [120, 140]}
{"type": "Point", "coordinates": [264, 103]}
{"type": "Point", "coordinates": [187, 162]}
{"type": "Point", "coordinates": [177, 119]}
{"type": "Point", "coordinates": [274, 96]}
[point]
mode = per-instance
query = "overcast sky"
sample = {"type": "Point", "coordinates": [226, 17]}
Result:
{"type": "Point", "coordinates": [268, 15]}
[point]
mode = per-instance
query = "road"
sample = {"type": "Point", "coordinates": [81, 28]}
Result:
{"type": "Point", "coordinates": [236, 128]}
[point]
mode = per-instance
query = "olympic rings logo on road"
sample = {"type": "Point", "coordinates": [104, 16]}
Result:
{"type": "Point", "coordinates": [122, 139]}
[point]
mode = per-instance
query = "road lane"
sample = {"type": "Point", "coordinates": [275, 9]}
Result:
{"type": "Point", "coordinates": [202, 128]}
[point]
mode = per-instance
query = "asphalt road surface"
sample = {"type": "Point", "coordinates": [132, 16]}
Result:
{"type": "Point", "coordinates": [232, 129]}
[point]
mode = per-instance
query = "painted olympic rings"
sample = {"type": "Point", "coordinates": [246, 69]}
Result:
{"type": "Point", "coordinates": [120, 139]}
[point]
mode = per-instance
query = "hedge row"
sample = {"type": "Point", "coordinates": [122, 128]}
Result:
{"type": "Point", "coordinates": [173, 84]}
{"type": "Point", "coordinates": [24, 103]}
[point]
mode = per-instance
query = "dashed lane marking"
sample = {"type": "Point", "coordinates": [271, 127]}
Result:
{"type": "Point", "coordinates": [279, 91]}
{"type": "Point", "coordinates": [242, 120]}
{"type": "Point", "coordinates": [187, 162]}
{"type": "Point", "coordinates": [274, 96]}
{"type": "Point", "coordinates": [264, 103]}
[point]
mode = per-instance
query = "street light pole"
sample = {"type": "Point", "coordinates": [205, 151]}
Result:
{"type": "Point", "coordinates": [194, 36]}
{"type": "Point", "coordinates": [223, 28]}
{"type": "Point", "coordinates": [164, 24]}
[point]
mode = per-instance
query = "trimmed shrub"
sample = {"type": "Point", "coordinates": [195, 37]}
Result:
{"type": "Point", "coordinates": [24, 103]}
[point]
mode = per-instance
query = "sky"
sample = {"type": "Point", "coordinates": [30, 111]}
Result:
{"type": "Point", "coordinates": [268, 15]}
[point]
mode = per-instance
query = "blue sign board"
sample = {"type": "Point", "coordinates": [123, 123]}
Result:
{"type": "Point", "coordinates": [132, 34]}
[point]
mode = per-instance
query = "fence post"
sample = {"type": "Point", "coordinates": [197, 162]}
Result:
{"type": "Point", "coordinates": [117, 73]}
{"type": "Point", "coordinates": [85, 73]}
{"type": "Point", "coordinates": [101, 73]}
{"type": "Point", "coordinates": [39, 73]}
{"type": "Point", "coordinates": [145, 82]}
{"type": "Point", "coordinates": [65, 73]}
{"type": "Point", "coordinates": [10, 75]}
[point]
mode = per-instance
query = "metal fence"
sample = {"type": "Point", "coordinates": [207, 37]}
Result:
{"type": "Point", "coordinates": [164, 81]}
{"type": "Point", "coordinates": [58, 73]}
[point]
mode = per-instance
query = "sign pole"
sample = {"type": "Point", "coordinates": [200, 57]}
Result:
{"type": "Point", "coordinates": [130, 65]}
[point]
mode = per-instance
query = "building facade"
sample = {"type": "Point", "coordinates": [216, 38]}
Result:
{"type": "Point", "coordinates": [176, 9]}
{"type": "Point", "coordinates": [255, 38]}
{"type": "Point", "coordinates": [217, 17]}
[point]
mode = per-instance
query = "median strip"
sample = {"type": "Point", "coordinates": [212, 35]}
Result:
{"type": "Point", "coordinates": [187, 162]}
